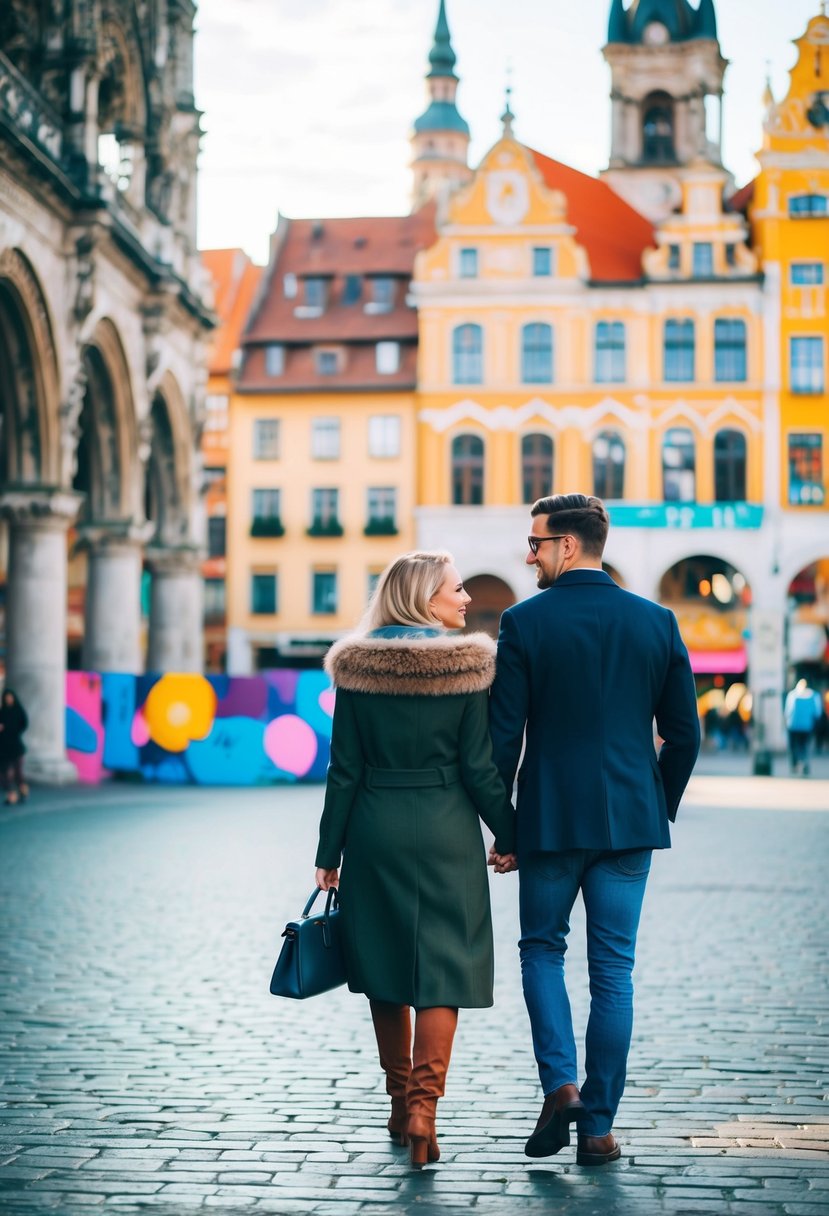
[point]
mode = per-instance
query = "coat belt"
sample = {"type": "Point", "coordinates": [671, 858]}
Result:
{"type": "Point", "coordinates": [410, 778]}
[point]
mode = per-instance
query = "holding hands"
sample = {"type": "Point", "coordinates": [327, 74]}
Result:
{"type": "Point", "coordinates": [502, 863]}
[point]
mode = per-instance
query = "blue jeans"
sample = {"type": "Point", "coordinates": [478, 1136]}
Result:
{"type": "Point", "coordinates": [613, 887]}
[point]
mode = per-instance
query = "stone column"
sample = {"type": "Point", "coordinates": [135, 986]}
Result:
{"type": "Point", "coordinates": [176, 610]}
{"type": "Point", "coordinates": [112, 629]}
{"type": "Point", "coordinates": [36, 622]}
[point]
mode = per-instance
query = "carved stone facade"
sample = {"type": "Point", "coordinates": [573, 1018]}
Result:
{"type": "Point", "coordinates": [103, 331]}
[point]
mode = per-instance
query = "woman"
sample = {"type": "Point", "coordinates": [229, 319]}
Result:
{"type": "Point", "coordinates": [411, 770]}
{"type": "Point", "coordinates": [13, 724]}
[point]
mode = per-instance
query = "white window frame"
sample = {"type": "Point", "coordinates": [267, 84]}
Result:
{"type": "Point", "coordinates": [387, 358]}
{"type": "Point", "coordinates": [384, 436]}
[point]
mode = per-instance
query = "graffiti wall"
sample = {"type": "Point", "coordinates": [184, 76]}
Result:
{"type": "Point", "coordinates": [203, 730]}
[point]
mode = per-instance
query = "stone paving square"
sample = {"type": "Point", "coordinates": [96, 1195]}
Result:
{"type": "Point", "coordinates": [143, 1063]}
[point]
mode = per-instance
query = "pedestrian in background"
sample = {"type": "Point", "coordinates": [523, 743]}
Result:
{"type": "Point", "coordinates": [584, 668]}
{"type": "Point", "coordinates": [411, 772]}
{"type": "Point", "coordinates": [13, 725]}
{"type": "Point", "coordinates": [803, 711]}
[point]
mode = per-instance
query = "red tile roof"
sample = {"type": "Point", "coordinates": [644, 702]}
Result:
{"type": "Point", "coordinates": [235, 279]}
{"type": "Point", "coordinates": [741, 199]}
{"type": "Point", "coordinates": [613, 233]}
{"type": "Point", "coordinates": [334, 249]}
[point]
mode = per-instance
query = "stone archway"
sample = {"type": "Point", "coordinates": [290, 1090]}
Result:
{"type": "Point", "coordinates": [38, 513]}
{"type": "Point", "coordinates": [490, 597]}
{"type": "Point", "coordinates": [807, 625]}
{"type": "Point", "coordinates": [711, 599]}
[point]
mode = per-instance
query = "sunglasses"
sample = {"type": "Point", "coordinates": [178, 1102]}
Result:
{"type": "Point", "coordinates": [535, 542]}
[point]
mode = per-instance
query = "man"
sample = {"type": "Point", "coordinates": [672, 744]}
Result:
{"type": "Point", "coordinates": [803, 711]}
{"type": "Point", "coordinates": [586, 667]}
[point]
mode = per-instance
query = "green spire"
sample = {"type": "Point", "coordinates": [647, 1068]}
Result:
{"type": "Point", "coordinates": [442, 58]}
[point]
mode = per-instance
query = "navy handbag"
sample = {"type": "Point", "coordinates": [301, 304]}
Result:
{"type": "Point", "coordinates": [311, 959]}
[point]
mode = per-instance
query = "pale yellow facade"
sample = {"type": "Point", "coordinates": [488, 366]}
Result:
{"type": "Point", "coordinates": [295, 627]}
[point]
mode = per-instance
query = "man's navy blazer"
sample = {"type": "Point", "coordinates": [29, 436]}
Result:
{"type": "Point", "coordinates": [586, 667]}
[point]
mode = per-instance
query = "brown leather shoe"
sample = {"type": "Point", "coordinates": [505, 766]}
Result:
{"type": "Point", "coordinates": [597, 1150]}
{"type": "Point", "coordinates": [552, 1131]}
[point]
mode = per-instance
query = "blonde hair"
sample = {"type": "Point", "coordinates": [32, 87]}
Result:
{"type": "Point", "coordinates": [402, 594]}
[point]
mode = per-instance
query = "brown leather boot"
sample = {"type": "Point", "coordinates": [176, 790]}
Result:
{"type": "Point", "coordinates": [552, 1131]}
{"type": "Point", "coordinates": [597, 1150]}
{"type": "Point", "coordinates": [393, 1031]}
{"type": "Point", "coordinates": [434, 1034]}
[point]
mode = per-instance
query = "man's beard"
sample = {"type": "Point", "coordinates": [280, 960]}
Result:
{"type": "Point", "coordinates": [543, 580]}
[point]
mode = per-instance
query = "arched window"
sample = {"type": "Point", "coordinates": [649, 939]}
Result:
{"type": "Point", "coordinates": [730, 466]}
{"type": "Point", "coordinates": [610, 352]}
{"type": "Point", "coordinates": [658, 130]}
{"type": "Point", "coordinates": [537, 354]}
{"type": "Point", "coordinates": [468, 354]}
{"type": "Point", "coordinates": [536, 467]}
{"type": "Point", "coordinates": [729, 349]}
{"type": "Point", "coordinates": [678, 354]}
{"type": "Point", "coordinates": [467, 471]}
{"type": "Point", "coordinates": [609, 465]}
{"type": "Point", "coordinates": [679, 465]}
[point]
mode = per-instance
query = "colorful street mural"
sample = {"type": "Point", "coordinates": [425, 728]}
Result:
{"type": "Point", "coordinates": [202, 730]}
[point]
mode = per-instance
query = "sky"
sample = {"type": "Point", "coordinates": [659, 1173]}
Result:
{"type": "Point", "coordinates": [308, 104]}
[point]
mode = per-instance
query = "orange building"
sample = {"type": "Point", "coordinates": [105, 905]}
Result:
{"type": "Point", "coordinates": [235, 279]}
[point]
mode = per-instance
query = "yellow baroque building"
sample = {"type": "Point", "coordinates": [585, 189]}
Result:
{"type": "Point", "coordinates": [651, 335]}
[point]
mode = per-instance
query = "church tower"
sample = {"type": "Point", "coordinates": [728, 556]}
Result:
{"type": "Point", "coordinates": [666, 90]}
{"type": "Point", "coordinates": [440, 139]}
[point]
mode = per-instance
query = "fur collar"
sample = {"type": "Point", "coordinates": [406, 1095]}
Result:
{"type": "Point", "coordinates": [441, 666]}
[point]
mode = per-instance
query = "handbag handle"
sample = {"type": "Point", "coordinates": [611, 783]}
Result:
{"type": "Point", "coordinates": [332, 904]}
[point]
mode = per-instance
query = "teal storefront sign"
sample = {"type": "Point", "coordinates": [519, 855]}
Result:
{"type": "Point", "coordinates": [685, 515]}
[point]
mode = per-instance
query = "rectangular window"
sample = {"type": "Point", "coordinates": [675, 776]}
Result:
{"type": "Point", "coordinates": [731, 254]}
{"type": "Point", "coordinates": [214, 476]}
{"type": "Point", "coordinates": [327, 363]}
{"type": "Point", "coordinates": [730, 349]}
{"type": "Point", "coordinates": [387, 358]}
{"type": "Point", "coordinates": [263, 593]}
{"type": "Point", "coordinates": [214, 599]}
{"type": "Point", "coordinates": [806, 274]}
{"type": "Point", "coordinates": [274, 360]}
{"type": "Point", "coordinates": [267, 519]}
{"type": "Point", "coordinates": [289, 286]}
{"type": "Point", "coordinates": [610, 352]}
{"type": "Point", "coordinates": [325, 438]}
{"type": "Point", "coordinates": [542, 262]}
{"type": "Point", "coordinates": [806, 470]}
{"type": "Point", "coordinates": [324, 592]}
{"type": "Point", "coordinates": [673, 257]}
{"type": "Point", "coordinates": [325, 508]}
{"type": "Point", "coordinates": [352, 288]}
{"type": "Point", "coordinates": [469, 263]}
{"type": "Point", "coordinates": [806, 365]}
{"type": "Point", "coordinates": [703, 265]}
{"type": "Point", "coordinates": [382, 293]}
{"type": "Point", "coordinates": [382, 510]}
{"type": "Point", "coordinates": [216, 536]}
{"type": "Point", "coordinates": [678, 351]}
{"type": "Point", "coordinates": [315, 293]}
{"type": "Point", "coordinates": [266, 439]}
{"type": "Point", "coordinates": [384, 435]}
{"type": "Point", "coordinates": [371, 583]}
{"type": "Point", "coordinates": [215, 412]}
{"type": "Point", "coordinates": [803, 206]}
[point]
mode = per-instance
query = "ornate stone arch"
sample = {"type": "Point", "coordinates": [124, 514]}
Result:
{"type": "Point", "coordinates": [107, 447]}
{"type": "Point", "coordinates": [30, 395]}
{"type": "Point", "coordinates": [122, 97]}
{"type": "Point", "coordinates": [169, 496]}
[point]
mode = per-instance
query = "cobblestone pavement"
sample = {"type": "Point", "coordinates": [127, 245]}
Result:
{"type": "Point", "coordinates": [143, 1062]}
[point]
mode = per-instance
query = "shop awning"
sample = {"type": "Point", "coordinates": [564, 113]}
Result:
{"type": "Point", "coordinates": [718, 662]}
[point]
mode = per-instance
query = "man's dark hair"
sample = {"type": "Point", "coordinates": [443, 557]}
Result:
{"type": "Point", "coordinates": [581, 515]}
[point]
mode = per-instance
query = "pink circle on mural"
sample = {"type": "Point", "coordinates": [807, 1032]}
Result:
{"type": "Point", "coordinates": [326, 701]}
{"type": "Point", "coordinates": [291, 744]}
{"type": "Point", "coordinates": [140, 733]}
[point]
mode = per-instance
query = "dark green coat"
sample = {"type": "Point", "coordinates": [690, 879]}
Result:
{"type": "Point", "coordinates": [411, 771]}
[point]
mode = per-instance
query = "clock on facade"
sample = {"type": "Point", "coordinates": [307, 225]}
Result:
{"type": "Point", "coordinates": [507, 196]}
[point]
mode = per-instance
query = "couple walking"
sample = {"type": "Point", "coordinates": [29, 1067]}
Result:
{"type": "Point", "coordinates": [428, 733]}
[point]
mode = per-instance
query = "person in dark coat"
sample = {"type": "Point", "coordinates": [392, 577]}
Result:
{"type": "Point", "coordinates": [13, 724]}
{"type": "Point", "coordinates": [585, 668]}
{"type": "Point", "coordinates": [411, 773]}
